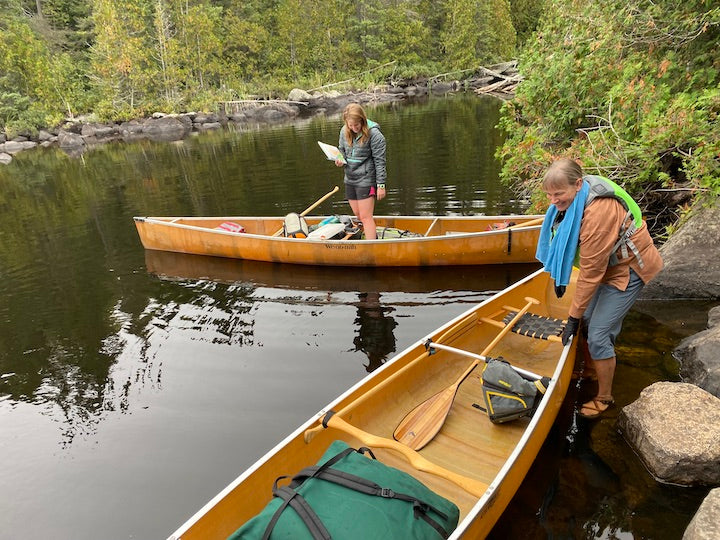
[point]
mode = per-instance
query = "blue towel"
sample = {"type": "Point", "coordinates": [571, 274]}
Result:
{"type": "Point", "coordinates": [558, 253]}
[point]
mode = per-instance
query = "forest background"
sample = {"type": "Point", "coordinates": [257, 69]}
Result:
{"type": "Point", "coordinates": [631, 88]}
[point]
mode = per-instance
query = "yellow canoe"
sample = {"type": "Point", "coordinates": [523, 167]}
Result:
{"type": "Point", "coordinates": [476, 464]}
{"type": "Point", "coordinates": [441, 240]}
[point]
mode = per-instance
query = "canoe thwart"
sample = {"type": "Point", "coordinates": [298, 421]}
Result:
{"type": "Point", "coordinates": [471, 485]}
{"type": "Point", "coordinates": [431, 346]}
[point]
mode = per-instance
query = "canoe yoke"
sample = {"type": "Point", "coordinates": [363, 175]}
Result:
{"type": "Point", "coordinates": [530, 324]}
{"type": "Point", "coordinates": [418, 462]}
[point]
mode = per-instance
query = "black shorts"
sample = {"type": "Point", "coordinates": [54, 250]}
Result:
{"type": "Point", "coordinates": [353, 193]}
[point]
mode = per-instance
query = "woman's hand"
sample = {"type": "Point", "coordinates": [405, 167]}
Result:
{"type": "Point", "coordinates": [339, 162]}
{"type": "Point", "coordinates": [380, 193]}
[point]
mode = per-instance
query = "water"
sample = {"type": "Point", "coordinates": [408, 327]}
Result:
{"type": "Point", "coordinates": [135, 385]}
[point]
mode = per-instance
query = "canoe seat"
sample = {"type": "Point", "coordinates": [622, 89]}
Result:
{"type": "Point", "coordinates": [530, 324]}
{"type": "Point", "coordinates": [536, 326]}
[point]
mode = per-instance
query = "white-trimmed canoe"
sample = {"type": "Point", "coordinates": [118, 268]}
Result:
{"type": "Point", "coordinates": [443, 240]}
{"type": "Point", "coordinates": [471, 461]}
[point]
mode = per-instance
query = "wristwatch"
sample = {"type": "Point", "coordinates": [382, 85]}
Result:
{"type": "Point", "coordinates": [381, 186]}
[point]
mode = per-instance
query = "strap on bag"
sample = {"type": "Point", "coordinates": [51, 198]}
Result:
{"type": "Point", "coordinates": [296, 501]}
{"type": "Point", "coordinates": [325, 472]}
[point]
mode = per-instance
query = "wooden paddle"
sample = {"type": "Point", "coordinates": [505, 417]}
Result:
{"type": "Point", "coordinates": [420, 425]}
{"type": "Point", "coordinates": [475, 487]}
{"type": "Point", "coordinates": [309, 208]}
{"type": "Point", "coordinates": [431, 226]}
{"type": "Point", "coordinates": [531, 223]}
{"type": "Point", "coordinates": [469, 319]}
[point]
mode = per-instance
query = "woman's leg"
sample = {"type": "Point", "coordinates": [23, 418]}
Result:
{"type": "Point", "coordinates": [364, 209]}
{"type": "Point", "coordinates": [610, 306]}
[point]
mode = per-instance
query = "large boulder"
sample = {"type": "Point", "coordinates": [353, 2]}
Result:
{"type": "Point", "coordinates": [98, 131]}
{"type": "Point", "coordinates": [699, 356]}
{"type": "Point", "coordinates": [132, 130]}
{"type": "Point", "coordinates": [15, 147]}
{"type": "Point", "coordinates": [675, 429]}
{"type": "Point", "coordinates": [691, 270]}
{"type": "Point", "coordinates": [67, 139]}
{"type": "Point", "coordinates": [167, 128]}
{"type": "Point", "coordinates": [705, 525]}
{"type": "Point", "coordinates": [297, 94]}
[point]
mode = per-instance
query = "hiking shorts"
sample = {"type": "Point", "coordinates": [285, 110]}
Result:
{"type": "Point", "coordinates": [353, 193]}
{"type": "Point", "coordinates": [605, 314]}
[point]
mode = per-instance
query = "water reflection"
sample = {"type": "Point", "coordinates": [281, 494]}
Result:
{"type": "Point", "coordinates": [373, 324]}
{"type": "Point", "coordinates": [375, 329]}
{"type": "Point", "coordinates": [460, 279]}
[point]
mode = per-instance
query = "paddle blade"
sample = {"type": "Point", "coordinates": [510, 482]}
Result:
{"type": "Point", "coordinates": [422, 423]}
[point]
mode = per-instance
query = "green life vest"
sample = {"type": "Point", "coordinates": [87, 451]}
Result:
{"type": "Point", "coordinates": [603, 187]}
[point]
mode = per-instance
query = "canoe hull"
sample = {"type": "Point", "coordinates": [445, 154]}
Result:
{"type": "Point", "coordinates": [496, 457]}
{"type": "Point", "coordinates": [461, 240]}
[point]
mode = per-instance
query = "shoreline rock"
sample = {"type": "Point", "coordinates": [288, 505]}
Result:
{"type": "Point", "coordinates": [699, 356]}
{"type": "Point", "coordinates": [691, 270]}
{"type": "Point", "coordinates": [77, 135]}
{"type": "Point", "coordinates": [675, 429]}
{"type": "Point", "coordinates": [705, 525]}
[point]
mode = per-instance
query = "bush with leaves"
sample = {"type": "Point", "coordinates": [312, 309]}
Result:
{"type": "Point", "coordinates": [630, 89]}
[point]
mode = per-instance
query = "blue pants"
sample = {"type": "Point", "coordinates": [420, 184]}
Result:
{"type": "Point", "coordinates": [605, 314]}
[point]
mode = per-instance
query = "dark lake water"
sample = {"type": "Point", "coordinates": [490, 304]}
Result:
{"type": "Point", "coordinates": [136, 385]}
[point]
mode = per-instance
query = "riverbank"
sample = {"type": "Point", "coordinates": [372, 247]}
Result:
{"type": "Point", "coordinates": [78, 135]}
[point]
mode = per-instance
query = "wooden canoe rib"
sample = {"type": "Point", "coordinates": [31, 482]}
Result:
{"type": "Point", "coordinates": [439, 240]}
{"type": "Point", "coordinates": [476, 464]}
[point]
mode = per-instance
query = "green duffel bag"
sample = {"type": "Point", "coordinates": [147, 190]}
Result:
{"type": "Point", "coordinates": [348, 496]}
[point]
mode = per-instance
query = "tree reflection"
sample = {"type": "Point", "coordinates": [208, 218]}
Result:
{"type": "Point", "coordinates": [375, 335]}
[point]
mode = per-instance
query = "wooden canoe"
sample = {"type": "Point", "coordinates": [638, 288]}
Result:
{"type": "Point", "coordinates": [471, 461]}
{"type": "Point", "coordinates": [444, 240]}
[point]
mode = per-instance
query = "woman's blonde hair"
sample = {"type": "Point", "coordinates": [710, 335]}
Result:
{"type": "Point", "coordinates": [354, 112]}
{"type": "Point", "coordinates": [561, 173]}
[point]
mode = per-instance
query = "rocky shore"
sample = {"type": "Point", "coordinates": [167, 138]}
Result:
{"type": "Point", "coordinates": [674, 427]}
{"type": "Point", "coordinates": [77, 135]}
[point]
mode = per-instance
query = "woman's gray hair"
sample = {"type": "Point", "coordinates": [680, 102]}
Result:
{"type": "Point", "coordinates": [561, 173]}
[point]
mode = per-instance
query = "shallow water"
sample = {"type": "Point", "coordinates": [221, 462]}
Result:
{"type": "Point", "coordinates": [135, 385]}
